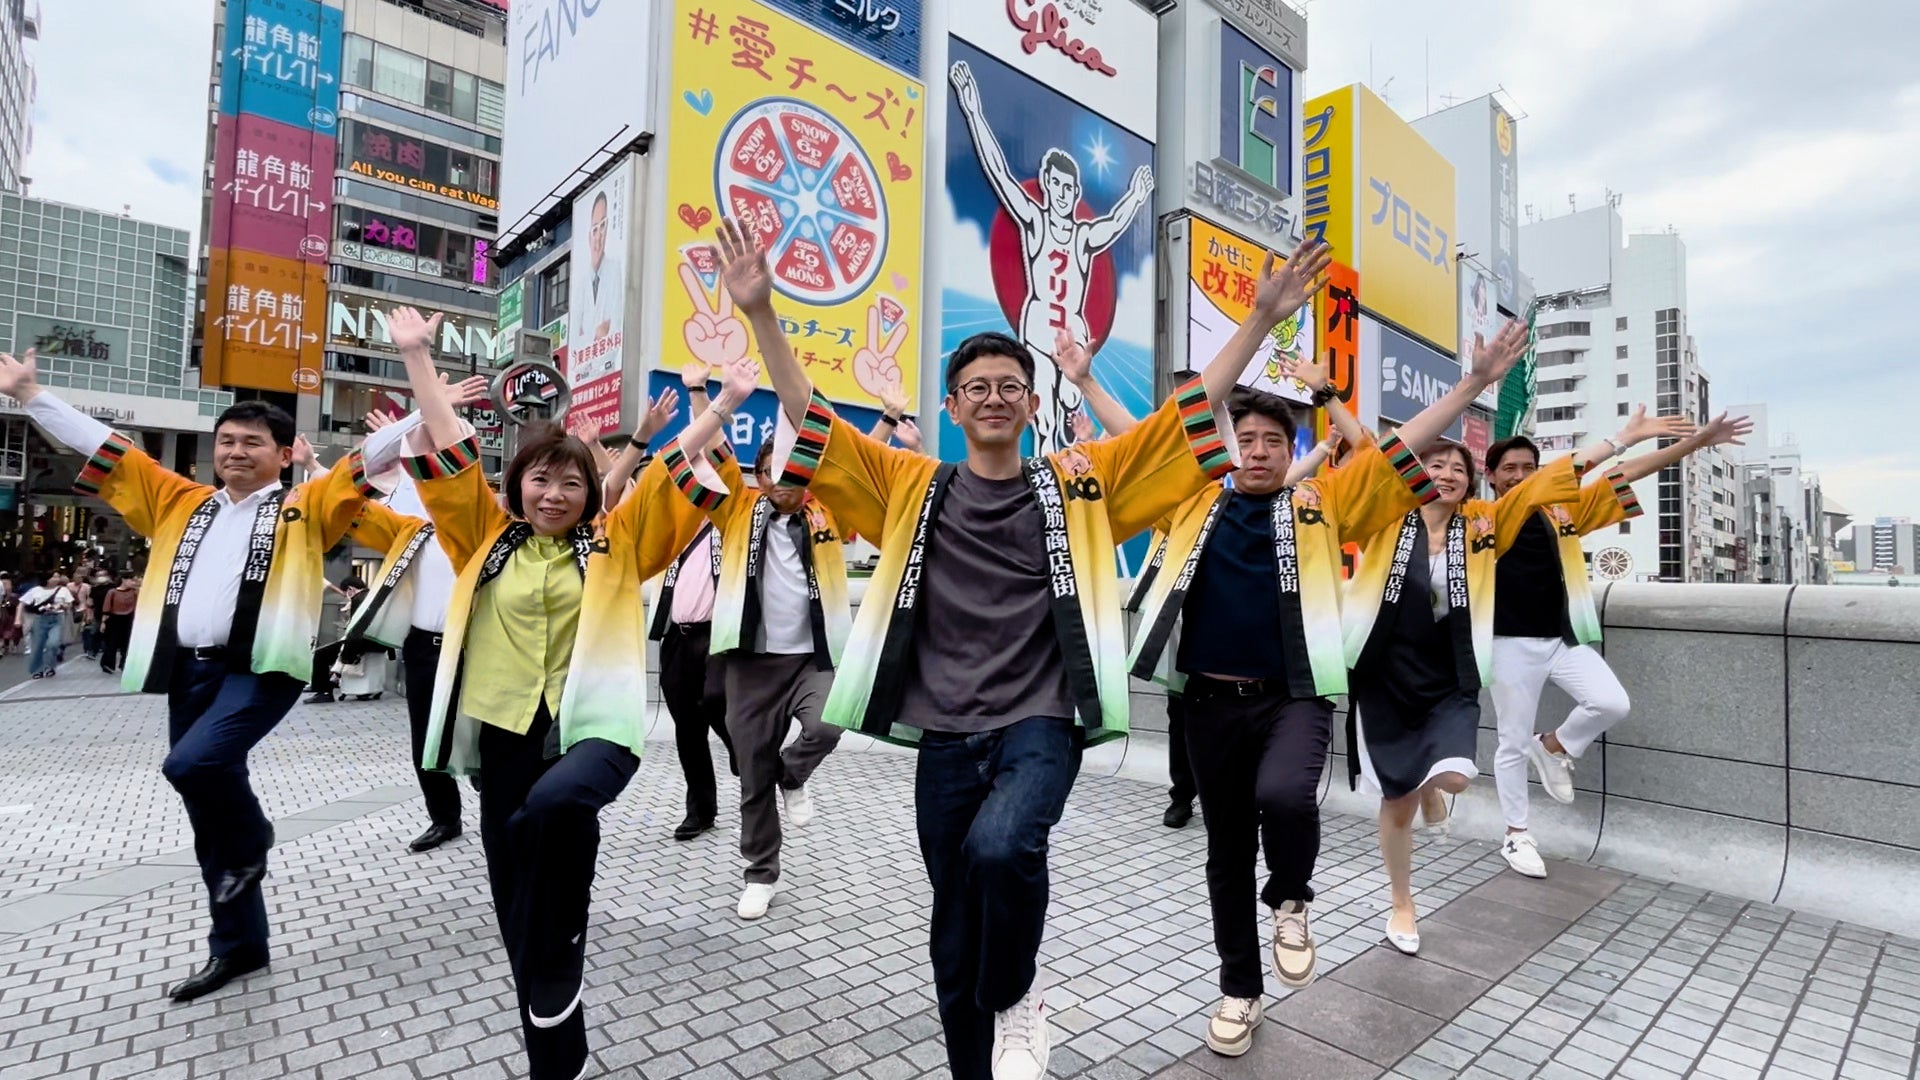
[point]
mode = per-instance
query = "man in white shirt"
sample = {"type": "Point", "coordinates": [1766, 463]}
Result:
{"type": "Point", "coordinates": [224, 628]}
{"type": "Point", "coordinates": [47, 608]}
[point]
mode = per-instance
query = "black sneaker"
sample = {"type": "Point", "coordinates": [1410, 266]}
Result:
{"type": "Point", "coordinates": [1177, 815]}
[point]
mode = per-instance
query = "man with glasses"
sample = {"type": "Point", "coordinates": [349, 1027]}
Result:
{"type": "Point", "coordinates": [991, 634]}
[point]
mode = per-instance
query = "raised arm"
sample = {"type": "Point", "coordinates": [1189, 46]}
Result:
{"type": "Point", "coordinates": [1722, 431]}
{"type": "Point", "coordinates": [1304, 467]}
{"type": "Point", "coordinates": [1077, 365]}
{"type": "Point", "coordinates": [746, 277]}
{"type": "Point", "coordinates": [1638, 429]}
{"type": "Point", "coordinates": [1489, 367]}
{"type": "Point", "coordinates": [1102, 234]}
{"type": "Point", "coordinates": [992, 160]}
{"type": "Point", "coordinates": [1313, 375]}
{"type": "Point", "coordinates": [414, 337]}
{"type": "Point", "coordinates": [1277, 294]}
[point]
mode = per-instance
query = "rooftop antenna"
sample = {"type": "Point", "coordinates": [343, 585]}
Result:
{"type": "Point", "coordinates": [1571, 204]}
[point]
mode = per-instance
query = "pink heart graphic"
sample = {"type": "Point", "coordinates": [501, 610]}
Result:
{"type": "Point", "coordinates": [899, 282]}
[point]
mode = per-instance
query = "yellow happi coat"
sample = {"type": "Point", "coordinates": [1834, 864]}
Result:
{"type": "Point", "coordinates": [742, 516]}
{"type": "Point", "coordinates": [606, 687]}
{"type": "Point", "coordinates": [385, 617]}
{"type": "Point", "coordinates": [1606, 501]}
{"type": "Point", "coordinates": [1090, 496]}
{"type": "Point", "coordinates": [272, 627]}
{"type": "Point", "coordinates": [1485, 530]}
{"type": "Point", "coordinates": [1378, 485]}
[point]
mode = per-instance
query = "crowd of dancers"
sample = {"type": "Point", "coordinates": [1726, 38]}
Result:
{"type": "Point", "coordinates": [991, 636]}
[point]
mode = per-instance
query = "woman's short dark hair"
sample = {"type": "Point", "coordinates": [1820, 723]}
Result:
{"type": "Point", "coordinates": [548, 446]}
{"type": "Point", "coordinates": [1517, 442]}
{"type": "Point", "coordinates": [1246, 403]}
{"type": "Point", "coordinates": [987, 344]}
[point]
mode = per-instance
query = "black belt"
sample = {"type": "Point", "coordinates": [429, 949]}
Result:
{"type": "Point", "coordinates": [208, 652]}
{"type": "Point", "coordinates": [690, 627]}
{"type": "Point", "coordinates": [434, 637]}
{"type": "Point", "coordinates": [1202, 688]}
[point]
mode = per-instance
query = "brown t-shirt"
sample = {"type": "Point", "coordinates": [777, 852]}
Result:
{"type": "Point", "coordinates": [122, 601]}
{"type": "Point", "coordinates": [985, 651]}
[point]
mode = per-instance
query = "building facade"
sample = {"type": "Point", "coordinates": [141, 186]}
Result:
{"type": "Point", "coordinates": [19, 24]}
{"type": "Point", "coordinates": [414, 191]}
{"type": "Point", "coordinates": [104, 300]}
{"type": "Point", "coordinates": [1612, 335]}
{"type": "Point", "coordinates": [1892, 546]}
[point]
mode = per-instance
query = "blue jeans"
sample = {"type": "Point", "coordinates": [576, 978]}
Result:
{"type": "Point", "coordinates": [984, 805]}
{"type": "Point", "coordinates": [214, 717]}
{"type": "Point", "coordinates": [44, 644]}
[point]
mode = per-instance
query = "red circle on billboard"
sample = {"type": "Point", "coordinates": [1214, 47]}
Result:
{"type": "Point", "coordinates": [1008, 260]}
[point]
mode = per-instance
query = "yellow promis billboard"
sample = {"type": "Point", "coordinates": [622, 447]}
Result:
{"type": "Point", "coordinates": [817, 149]}
{"type": "Point", "coordinates": [1383, 197]}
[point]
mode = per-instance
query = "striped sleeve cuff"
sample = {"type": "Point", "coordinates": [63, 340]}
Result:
{"type": "Point", "coordinates": [356, 465]}
{"type": "Point", "coordinates": [1623, 490]}
{"type": "Point", "coordinates": [1203, 429]}
{"type": "Point", "coordinates": [1407, 464]}
{"type": "Point", "coordinates": [445, 462]}
{"type": "Point", "coordinates": [809, 443]}
{"type": "Point", "coordinates": [102, 463]}
{"type": "Point", "coordinates": [697, 479]}
{"type": "Point", "coordinates": [1579, 467]}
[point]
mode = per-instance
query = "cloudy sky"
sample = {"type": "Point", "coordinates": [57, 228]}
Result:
{"type": "Point", "coordinates": [1782, 140]}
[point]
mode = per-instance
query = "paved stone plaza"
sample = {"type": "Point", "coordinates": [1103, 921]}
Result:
{"type": "Point", "coordinates": [386, 964]}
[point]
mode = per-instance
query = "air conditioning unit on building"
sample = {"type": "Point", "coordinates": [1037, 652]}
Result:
{"type": "Point", "coordinates": [531, 345]}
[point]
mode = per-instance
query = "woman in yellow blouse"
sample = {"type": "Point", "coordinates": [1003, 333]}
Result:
{"type": "Point", "coordinates": [543, 658]}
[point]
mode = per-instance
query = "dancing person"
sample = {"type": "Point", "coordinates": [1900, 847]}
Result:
{"type": "Point", "coordinates": [780, 621]}
{"type": "Point", "coordinates": [117, 622]}
{"type": "Point", "coordinates": [406, 608]}
{"type": "Point", "coordinates": [1256, 678]}
{"type": "Point", "coordinates": [1545, 625]}
{"type": "Point", "coordinates": [225, 632]}
{"type": "Point", "coordinates": [542, 661]}
{"type": "Point", "coordinates": [991, 636]}
{"type": "Point", "coordinates": [691, 682]}
{"type": "Point", "coordinates": [1417, 623]}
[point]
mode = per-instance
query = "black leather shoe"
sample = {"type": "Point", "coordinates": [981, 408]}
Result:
{"type": "Point", "coordinates": [219, 971]}
{"type": "Point", "coordinates": [433, 837]}
{"type": "Point", "coordinates": [692, 827]}
{"type": "Point", "coordinates": [1177, 815]}
{"type": "Point", "coordinates": [237, 881]}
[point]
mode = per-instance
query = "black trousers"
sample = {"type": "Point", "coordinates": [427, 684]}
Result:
{"type": "Point", "coordinates": [1179, 764]}
{"type": "Point", "coordinates": [1257, 762]}
{"type": "Point", "coordinates": [214, 718]}
{"type": "Point", "coordinates": [985, 805]}
{"type": "Point", "coordinates": [540, 829]}
{"type": "Point", "coordinates": [420, 653]}
{"type": "Point", "coordinates": [323, 680]}
{"type": "Point", "coordinates": [696, 698]}
{"type": "Point", "coordinates": [119, 632]}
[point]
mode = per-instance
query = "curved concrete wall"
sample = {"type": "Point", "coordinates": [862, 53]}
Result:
{"type": "Point", "coordinates": [1773, 750]}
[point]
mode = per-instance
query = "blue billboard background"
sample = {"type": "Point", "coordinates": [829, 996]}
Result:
{"type": "Point", "coordinates": [1413, 376]}
{"type": "Point", "coordinates": [887, 30]}
{"type": "Point", "coordinates": [283, 58]}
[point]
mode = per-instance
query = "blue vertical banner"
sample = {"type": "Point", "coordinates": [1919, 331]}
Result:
{"type": "Point", "coordinates": [281, 60]}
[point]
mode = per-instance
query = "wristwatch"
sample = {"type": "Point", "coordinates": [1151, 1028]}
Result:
{"type": "Point", "coordinates": [1323, 395]}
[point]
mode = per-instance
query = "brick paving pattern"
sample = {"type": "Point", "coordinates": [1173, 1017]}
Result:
{"type": "Point", "coordinates": [387, 965]}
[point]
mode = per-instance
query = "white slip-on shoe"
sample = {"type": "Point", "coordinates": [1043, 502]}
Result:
{"type": "Point", "coordinates": [1523, 855]}
{"type": "Point", "coordinates": [756, 898]}
{"type": "Point", "coordinates": [1407, 944]}
{"type": "Point", "coordinates": [799, 804]}
{"type": "Point", "coordinates": [1555, 770]}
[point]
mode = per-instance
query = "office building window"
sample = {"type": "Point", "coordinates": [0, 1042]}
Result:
{"type": "Point", "coordinates": [357, 60]}
{"type": "Point", "coordinates": [439, 88]}
{"type": "Point", "coordinates": [465, 96]}
{"type": "Point", "coordinates": [399, 74]}
{"type": "Point", "coordinates": [554, 287]}
{"type": "Point", "coordinates": [1626, 528]}
{"type": "Point", "coordinates": [1621, 409]}
{"type": "Point", "coordinates": [1619, 352]}
{"type": "Point", "coordinates": [1620, 380]}
{"type": "Point", "coordinates": [1620, 323]}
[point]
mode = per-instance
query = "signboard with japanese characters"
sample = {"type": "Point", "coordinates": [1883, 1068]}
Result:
{"type": "Point", "coordinates": [887, 30]}
{"type": "Point", "coordinates": [1101, 54]}
{"type": "Point", "coordinates": [817, 149]}
{"type": "Point", "coordinates": [601, 281]}
{"type": "Point", "coordinates": [274, 151]}
{"type": "Point", "coordinates": [1384, 198]}
{"type": "Point", "coordinates": [71, 339]}
{"type": "Point", "coordinates": [408, 161]}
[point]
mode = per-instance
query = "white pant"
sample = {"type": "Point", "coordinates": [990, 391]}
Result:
{"type": "Point", "coordinates": [1521, 668]}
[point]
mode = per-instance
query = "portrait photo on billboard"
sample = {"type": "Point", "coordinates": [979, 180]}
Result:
{"type": "Point", "coordinates": [596, 306]}
{"type": "Point", "coordinates": [1480, 322]}
{"type": "Point", "coordinates": [1049, 227]}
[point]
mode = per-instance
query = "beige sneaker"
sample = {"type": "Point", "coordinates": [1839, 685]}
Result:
{"type": "Point", "coordinates": [1230, 1032]}
{"type": "Point", "coordinates": [1293, 954]}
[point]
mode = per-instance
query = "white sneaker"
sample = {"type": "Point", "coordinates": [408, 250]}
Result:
{"type": "Point", "coordinates": [1555, 770]}
{"type": "Point", "coordinates": [1021, 1043]}
{"type": "Point", "coordinates": [754, 901]}
{"type": "Point", "coordinates": [1523, 855]}
{"type": "Point", "coordinates": [1230, 1032]}
{"type": "Point", "coordinates": [799, 804]}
